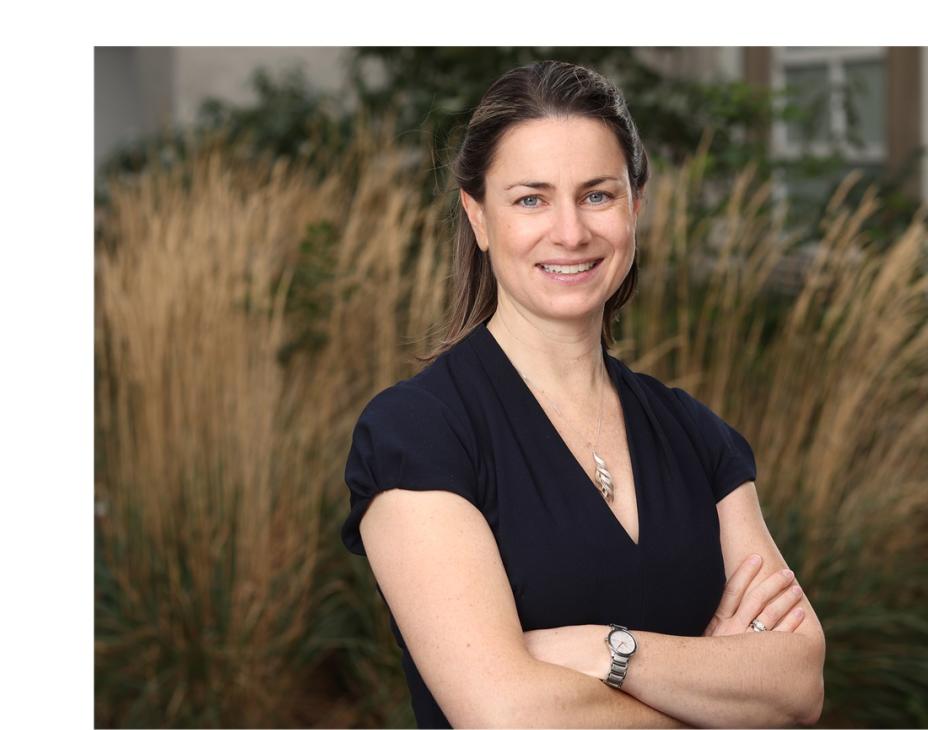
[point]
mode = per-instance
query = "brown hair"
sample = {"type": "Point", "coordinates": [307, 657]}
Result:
{"type": "Point", "coordinates": [536, 91]}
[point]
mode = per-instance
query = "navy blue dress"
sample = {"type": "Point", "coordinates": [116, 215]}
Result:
{"type": "Point", "coordinates": [468, 424]}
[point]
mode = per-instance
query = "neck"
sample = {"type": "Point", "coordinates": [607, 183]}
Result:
{"type": "Point", "coordinates": [562, 357]}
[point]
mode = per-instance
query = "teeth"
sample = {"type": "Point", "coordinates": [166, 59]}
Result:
{"type": "Point", "coordinates": [568, 269]}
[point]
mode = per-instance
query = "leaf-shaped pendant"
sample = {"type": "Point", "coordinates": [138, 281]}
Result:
{"type": "Point", "coordinates": [603, 476]}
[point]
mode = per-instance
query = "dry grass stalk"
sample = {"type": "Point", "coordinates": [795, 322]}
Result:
{"type": "Point", "coordinates": [214, 458]}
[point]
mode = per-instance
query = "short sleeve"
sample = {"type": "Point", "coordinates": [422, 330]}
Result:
{"type": "Point", "coordinates": [728, 456]}
{"type": "Point", "coordinates": [406, 438]}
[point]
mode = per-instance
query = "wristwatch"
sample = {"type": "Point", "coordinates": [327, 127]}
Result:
{"type": "Point", "coordinates": [622, 645]}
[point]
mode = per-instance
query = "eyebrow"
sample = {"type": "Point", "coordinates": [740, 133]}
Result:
{"type": "Point", "coordinates": [548, 186]}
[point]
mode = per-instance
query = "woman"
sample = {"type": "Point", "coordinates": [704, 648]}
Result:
{"type": "Point", "coordinates": [562, 541]}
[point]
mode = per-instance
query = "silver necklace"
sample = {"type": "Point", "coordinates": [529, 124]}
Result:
{"type": "Point", "coordinates": [603, 476]}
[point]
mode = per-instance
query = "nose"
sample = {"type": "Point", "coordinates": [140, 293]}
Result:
{"type": "Point", "coordinates": [568, 227]}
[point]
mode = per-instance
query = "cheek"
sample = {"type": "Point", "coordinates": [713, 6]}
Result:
{"type": "Point", "coordinates": [619, 229]}
{"type": "Point", "coordinates": [515, 238]}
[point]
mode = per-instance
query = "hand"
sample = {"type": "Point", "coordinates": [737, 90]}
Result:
{"type": "Point", "coordinates": [771, 602]}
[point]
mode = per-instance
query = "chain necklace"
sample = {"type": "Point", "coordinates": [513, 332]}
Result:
{"type": "Point", "coordinates": [603, 476]}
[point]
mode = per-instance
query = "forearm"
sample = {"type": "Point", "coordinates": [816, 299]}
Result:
{"type": "Point", "coordinates": [768, 679]}
{"type": "Point", "coordinates": [548, 695]}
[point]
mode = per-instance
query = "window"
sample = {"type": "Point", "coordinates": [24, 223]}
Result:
{"type": "Point", "coordinates": [835, 103]}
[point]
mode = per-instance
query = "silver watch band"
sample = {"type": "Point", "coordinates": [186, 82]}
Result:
{"type": "Point", "coordinates": [619, 667]}
{"type": "Point", "coordinates": [617, 671]}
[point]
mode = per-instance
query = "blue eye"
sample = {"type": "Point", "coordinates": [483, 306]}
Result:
{"type": "Point", "coordinates": [534, 200]}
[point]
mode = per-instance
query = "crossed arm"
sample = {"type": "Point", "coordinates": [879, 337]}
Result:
{"type": "Point", "coordinates": [679, 675]}
{"type": "Point", "coordinates": [439, 568]}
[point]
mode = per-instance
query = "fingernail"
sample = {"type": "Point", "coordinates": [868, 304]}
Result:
{"type": "Point", "coordinates": [797, 591]}
{"type": "Point", "coordinates": [755, 559]}
{"type": "Point", "coordinates": [787, 573]}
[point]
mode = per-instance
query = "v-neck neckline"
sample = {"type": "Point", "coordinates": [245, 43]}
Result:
{"type": "Point", "coordinates": [517, 385]}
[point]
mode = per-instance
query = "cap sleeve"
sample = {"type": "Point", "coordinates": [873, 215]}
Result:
{"type": "Point", "coordinates": [728, 456]}
{"type": "Point", "coordinates": [406, 438]}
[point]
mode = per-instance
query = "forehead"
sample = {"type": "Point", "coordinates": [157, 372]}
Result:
{"type": "Point", "coordinates": [553, 148]}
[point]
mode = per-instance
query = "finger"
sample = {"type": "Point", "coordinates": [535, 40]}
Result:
{"type": "Point", "coordinates": [737, 585]}
{"type": "Point", "coordinates": [759, 596]}
{"type": "Point", "coordinates": [791, 621]}
{"type": "Point", "coordinates": [780, 606]}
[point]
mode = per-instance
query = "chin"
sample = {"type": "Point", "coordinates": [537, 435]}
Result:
{"type": "Point", "coordinates": [572, 314]}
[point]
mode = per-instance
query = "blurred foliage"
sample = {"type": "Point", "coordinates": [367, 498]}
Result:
{"type": "Point", "coordinates": [309, 300]}
{"type": "Point", "coordinates": [432, 90]}
{"type": "Point", "coordinates": [287, 119]}
{"type": "Point", "coordinates": [439, 87]}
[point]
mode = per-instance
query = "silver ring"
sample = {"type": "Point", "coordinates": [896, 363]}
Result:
{"type": "Point", "coordinates": [758, 625]}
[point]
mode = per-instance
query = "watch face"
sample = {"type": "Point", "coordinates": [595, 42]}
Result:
{"type": "Point", "coordinates": [623, 642]}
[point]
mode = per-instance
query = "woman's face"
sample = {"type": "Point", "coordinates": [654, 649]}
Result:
{"type": "Point", "coordinates": [558, 218]}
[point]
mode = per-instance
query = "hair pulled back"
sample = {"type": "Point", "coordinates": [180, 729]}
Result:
{"type": "Point", "coordinates": [536, 91]}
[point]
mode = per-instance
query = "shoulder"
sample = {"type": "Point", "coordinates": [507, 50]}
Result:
{"type": "Point", "coordinates": [685, 406]}
{"type": "Point", "coordinates": [405, 398]}
{"type": "Point", "coordinates": [652, 384]}
{"type": "Point", "coordinates": [432, 394]}
{"type": "Point", "coordinates": [411, 435]}
{"type": "Point", "coordinates": [422, 420]}
{"type": "Point", "coordinates": [408, 415]}
{"type": "Point", "coordinates": [725, 453]}
{"type": "Point", "coordinates": [446, 388]}
{"type": "Point", "coordinates": [673, 398]}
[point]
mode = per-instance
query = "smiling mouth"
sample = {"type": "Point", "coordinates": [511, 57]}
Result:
{"type": "Point", "coordinates": [569, 269]}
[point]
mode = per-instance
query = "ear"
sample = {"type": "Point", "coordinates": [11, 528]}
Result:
{"type": "Point", "coordinates": [477, 219]}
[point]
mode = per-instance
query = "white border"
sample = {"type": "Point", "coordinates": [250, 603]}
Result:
{"type": "Point", "coordinates": [46, 281]}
